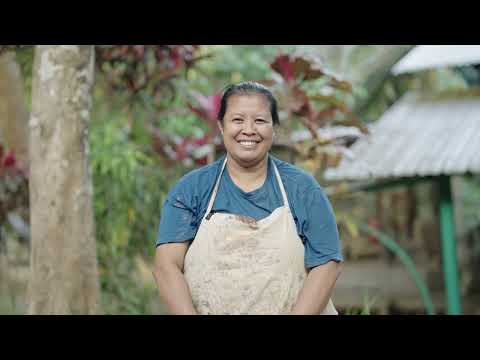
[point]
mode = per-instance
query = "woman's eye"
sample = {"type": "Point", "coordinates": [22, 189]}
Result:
{"type": "Point", "coordinates": [237, 120]}
{"type": "Point", "coordinates": [260, 121]}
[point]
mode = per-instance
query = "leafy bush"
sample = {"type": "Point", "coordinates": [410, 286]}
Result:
{"type": "Point", "coordinates": [129, 189]}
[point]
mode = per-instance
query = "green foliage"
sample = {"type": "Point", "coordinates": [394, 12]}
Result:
{"type": "Point", "coordinates": [23, 55]}
{"type": "Point", "coordinates": [139, 89]}
{"type": "Point", "coordinates": [232, 63]}
{"type": "Point", "coordinates": [129, 189]}
{"type": "Point", "coordinates": [116, 160]}
{"type": "Point", "coordinates": [136, 69]}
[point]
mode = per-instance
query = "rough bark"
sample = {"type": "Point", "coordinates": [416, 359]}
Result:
{"type": "Point", "coordinates": [64, 278]}
{"type": "Point", "coordinates": [13, 112]}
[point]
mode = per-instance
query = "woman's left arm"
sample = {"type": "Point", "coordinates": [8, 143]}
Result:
{"type": "Point", "coordinates": [317, 289]}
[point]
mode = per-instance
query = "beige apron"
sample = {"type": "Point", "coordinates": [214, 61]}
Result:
{"type": "Point", "coordinates": [237, 265]}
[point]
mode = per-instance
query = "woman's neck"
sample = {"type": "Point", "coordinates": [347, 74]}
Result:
{"type": "Point", "coordinates": [247, 178]}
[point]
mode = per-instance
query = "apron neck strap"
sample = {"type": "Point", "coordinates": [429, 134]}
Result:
{"type": "Point", "coordinates": [215, 189]}
{"type": "Point", "coordinates": [280, 184]}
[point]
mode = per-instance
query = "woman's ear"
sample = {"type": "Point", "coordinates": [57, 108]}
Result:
{"type": "Point", "coordinates": [220, 127]}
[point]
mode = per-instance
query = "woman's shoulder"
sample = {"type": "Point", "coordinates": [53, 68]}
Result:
{"type": "Point", "coordinates": [294, 176]}
{"type": "Point", "coordinates": [200, 179]}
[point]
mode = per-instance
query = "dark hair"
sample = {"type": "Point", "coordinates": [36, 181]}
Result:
{"type": "Point", "coordinates": [248, 87]}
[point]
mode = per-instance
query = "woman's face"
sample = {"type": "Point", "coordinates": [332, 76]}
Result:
{"type": "Point", "coordinates": [247, 128]}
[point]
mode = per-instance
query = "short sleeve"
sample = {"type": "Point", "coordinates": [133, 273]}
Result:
{"type": "Point", "coordinates": [322, 241]}
{"type": "Point", "coordinates": [178, 218]}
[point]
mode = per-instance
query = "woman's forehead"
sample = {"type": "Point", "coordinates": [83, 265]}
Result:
{"type": "Point", "coordinates": [246, 102]}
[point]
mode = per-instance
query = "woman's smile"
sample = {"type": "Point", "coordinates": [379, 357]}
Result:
{"type": "Point", "coordinates": [248, 144]}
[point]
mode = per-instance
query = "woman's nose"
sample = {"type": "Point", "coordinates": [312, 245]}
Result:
{"type": "Point", "coordinates": [249, 127]}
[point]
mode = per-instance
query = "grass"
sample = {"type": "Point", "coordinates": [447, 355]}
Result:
{"type": "Point", "coordinates": [366, 309]}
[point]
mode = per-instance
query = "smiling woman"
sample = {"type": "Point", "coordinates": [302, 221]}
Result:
{"type": "Point", "coordinates": [248, 234]}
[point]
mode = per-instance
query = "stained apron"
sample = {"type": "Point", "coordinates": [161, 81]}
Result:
{"type": "Point", "coordinates": [237, 265]}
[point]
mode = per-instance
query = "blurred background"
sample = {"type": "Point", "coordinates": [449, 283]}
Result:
{"type": "Point", "coordinates": [391, 132]}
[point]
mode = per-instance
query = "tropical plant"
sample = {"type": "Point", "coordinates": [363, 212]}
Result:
{"type": "Point", "coordinates": [13, 195]}
{"type": "Point", "coordinates": [315, 100]}
{"type": "Point", "coordinates": [146, 69]}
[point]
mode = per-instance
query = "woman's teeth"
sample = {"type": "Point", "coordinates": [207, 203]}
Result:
{"type": "Point", "coordinates": [247, 142]}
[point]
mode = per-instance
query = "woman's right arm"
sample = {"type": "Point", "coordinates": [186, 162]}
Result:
{"type": "Point", "coordinates": [171, 283]}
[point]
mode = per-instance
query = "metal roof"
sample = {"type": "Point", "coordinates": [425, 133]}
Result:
{"type": "Point", "coordinates": [417, 136]}
{"type": "Point", "coordinates": [424, 57]}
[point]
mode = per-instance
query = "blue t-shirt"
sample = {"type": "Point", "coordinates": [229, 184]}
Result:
{"type": "Point", "coordinates": [187, 203]}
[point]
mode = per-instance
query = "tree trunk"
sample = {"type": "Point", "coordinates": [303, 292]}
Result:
{"type": "Point", "coordinates": [377, 72]}
{"type": "Point", "coordinates": [64, 274]}
{"type": "Point", "coordinates": [371, 72]}
{"type": "Point", "coordinates": [13, 112]}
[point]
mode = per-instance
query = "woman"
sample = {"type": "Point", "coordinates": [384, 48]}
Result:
{"type": "Point", "coordinates": [248, 234]}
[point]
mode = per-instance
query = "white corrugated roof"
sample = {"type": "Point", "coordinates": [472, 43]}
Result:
{"type": "Point", "coordinates": [424, 57]}
{"type": "Point", "coordinates": [417, 137]}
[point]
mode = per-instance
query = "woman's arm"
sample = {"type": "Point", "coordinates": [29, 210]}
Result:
{"type": "Point", "coordinates": [317, 289]}
{"type": "Point", "coordinates": [171, 283]}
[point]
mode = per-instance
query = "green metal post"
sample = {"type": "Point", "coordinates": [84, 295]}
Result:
{"type": "Point", "coordinates": [449, 249]}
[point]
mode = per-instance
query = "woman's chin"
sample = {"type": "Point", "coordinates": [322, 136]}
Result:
{"type": "Point", "coordinates": [249, 158]}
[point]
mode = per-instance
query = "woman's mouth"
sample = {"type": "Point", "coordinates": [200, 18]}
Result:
{"type": "Point", "coordinates": [248, 144]}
